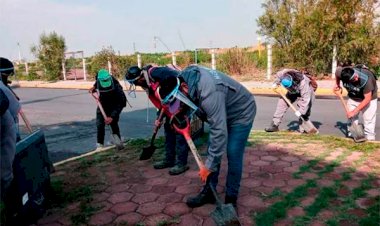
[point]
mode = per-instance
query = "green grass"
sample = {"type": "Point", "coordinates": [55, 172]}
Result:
{"type": "Point", "coordinates": [278, 210]}
{"type": "Point", "coordinates": [332, 142]}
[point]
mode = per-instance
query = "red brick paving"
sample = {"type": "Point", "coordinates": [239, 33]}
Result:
{"type": "Point", "coordinates": [149, 196]}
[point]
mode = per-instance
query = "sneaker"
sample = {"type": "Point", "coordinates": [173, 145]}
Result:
{"type": "Point", "coordinates": [369, 138]}
{"type": "Point", "coordinates": [99, 146]}
{"type": "Point", "coordinates": [204, 197]}
{"type": "Point", "coordinates": [272, 128]}
{"type": "Point", "coordinates": [178, 169]}
{"type": "Point", "coordinates": [162, 164]}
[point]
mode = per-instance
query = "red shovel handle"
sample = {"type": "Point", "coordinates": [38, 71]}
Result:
{"type": "Point", "coordinates": [185, 131]}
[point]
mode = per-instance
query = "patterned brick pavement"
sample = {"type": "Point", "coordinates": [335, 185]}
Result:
{"type": "Point", "coordinates": [137, 194]}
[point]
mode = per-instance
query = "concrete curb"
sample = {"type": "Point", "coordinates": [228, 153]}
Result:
{"type": "Point", "coordinates": [256, 87]}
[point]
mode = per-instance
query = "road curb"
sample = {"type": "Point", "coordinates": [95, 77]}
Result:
{"type": "Point", "coordinates": [321, 91]}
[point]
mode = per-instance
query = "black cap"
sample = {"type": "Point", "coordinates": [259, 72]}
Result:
{"type": "Point", "coordinates": [6, 66]}
{"type": "Point", "coordinates": [132, 73]}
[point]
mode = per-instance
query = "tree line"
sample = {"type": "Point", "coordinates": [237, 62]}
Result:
{"type": "Point", "coordinates": [303, 34]}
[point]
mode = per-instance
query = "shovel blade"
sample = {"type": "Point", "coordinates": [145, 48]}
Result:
{"type": "Point", "coordinates": [225, 215]}
{"type": "Point", "coordinates": [119, 145]}
{"type": "Point", "coordinates": [147, 152]}
{"type": "Point", "coordinates": [309, 127]}
{"type": "Point", "coordinates": [357, 132]}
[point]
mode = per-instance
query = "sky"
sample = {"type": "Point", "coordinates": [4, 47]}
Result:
{"type": "Point", "coordinates": [128, 25]}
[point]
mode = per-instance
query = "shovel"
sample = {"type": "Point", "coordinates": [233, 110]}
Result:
{"type": "Point", "coordinates": [356, 130]}
{"type": "Point", "coordinates": [119, 145]}
{"type": "Point", "coordinates": [307, 125]}
{"type": "Point", "coordinates": [148, 151]}
{"type": "Point", "coordinates": [224, 214]}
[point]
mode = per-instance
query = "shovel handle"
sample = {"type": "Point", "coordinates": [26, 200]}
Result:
{"type": "Point", "coordinates": [341, 100]}
{"type": "Point", "coordinates": [186, 133]}
{"type": "Point", "coordinates": [159, 118]}
{"type": "Point", "coordinates": [99, 105]}
{"type": "Point", "coordinates": [26, 121]}
{"type": "Point", "coordinates": [156, 128]}
{"type": "Point", "coordinates": [278, 90]}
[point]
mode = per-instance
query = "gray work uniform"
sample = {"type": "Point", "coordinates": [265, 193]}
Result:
{"type": "Point", "coordinates": [7, 142]}
{"type": "Point", "coordinates": [302, 93]}
{"type": "Point", "coordinates": [229, 109]}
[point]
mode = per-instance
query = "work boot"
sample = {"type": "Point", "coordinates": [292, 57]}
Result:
{"type": "Point", "coordinates": [230, 199]}
{"type": "Point", "coordinates": [163, 164]}
{"type": "Point", "coordinates": [271, 128]}
{"type": "Point", "coordinates": [204, 197]}
{"type": "Point", "coordinates": [178, 169]}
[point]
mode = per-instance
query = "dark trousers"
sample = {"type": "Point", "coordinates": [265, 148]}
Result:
{"type": "Point", "coordinates": [100, 125]}
{"type": "Point", "coordinates": [175, 145]}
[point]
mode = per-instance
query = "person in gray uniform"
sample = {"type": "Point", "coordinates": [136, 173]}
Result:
{"type": "Point", "coordinates": [361, 86]}
{"type": "Point", "coordinates": [7, 142]}
{"type": "Point", "coordinates": [300, 90]}
{"type": "Point", "coordinates": [6, 70]}
{"type": "Point", "coordinates": [229, 109]}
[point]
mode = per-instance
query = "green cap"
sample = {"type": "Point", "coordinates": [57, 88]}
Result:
{"type": "Point", "coordinates": [104, 78]}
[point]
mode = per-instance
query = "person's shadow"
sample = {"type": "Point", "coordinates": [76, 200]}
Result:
{"type": "Point", "coordinates": [294, 125]}
{"type": "Point", "coordinates": [342, 126]}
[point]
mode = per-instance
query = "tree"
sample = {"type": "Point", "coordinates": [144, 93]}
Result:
{"type": "Point", "coordinates": [100, 60]}
{"type": "Point", "coordinates": [51, 53]}
{"type": "Point", "coordinates": [304, 32]}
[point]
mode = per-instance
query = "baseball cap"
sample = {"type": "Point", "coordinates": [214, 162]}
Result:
{"type": "Point", "coordinates": [287, 82]}
{"type": "Point", "coordinates": [104, 78]}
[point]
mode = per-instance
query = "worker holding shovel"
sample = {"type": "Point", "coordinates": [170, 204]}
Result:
{"type": "Point", "coordinates": [299, 89]}
{"type": "Point", "coordinates": [176, 149]}
{"type": "Point", "coordinates": [112, 99]}
{"type": "Point", "coordinates": [229, 109]}
{"type": "Point", "coordinates": [361, 86]}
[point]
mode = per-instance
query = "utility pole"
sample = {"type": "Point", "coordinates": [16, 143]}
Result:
{"type": "Point", "coordinates": [19, 53]}
{"type": "Point", "coordinates": [163, 43]}
{"type": "Point", "coordinates": [180, 37]}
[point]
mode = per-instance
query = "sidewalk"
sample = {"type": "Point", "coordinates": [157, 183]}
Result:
{"type": "Point", "coordinates": [283, 183]}
{"type": "Point", "coordinates": [256, 87]}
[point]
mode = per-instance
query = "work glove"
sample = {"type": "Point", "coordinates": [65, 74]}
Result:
{"type": "Point", "coordinates": [298, 114]}
{"type": "Point", "coordinates": [274, 85]}
{"type": "Point", "coordinates": [203, 174]}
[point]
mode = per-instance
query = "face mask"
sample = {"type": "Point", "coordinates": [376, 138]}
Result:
{"type": "Point", "coordinates": [132, 85]}
{"type": "Point", "coordinates": [174, 100]}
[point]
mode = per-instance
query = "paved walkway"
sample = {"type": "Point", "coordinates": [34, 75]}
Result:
{"type": "Point", "coordinates": [132, 192]}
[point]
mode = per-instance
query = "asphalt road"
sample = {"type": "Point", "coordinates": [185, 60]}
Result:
{"type": "Point", "coordinates": [67, 117]}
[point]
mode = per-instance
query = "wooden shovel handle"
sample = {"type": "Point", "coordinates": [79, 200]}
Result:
{"type": "Point", "coordinates": [26, 121]}
{"type": "Point", "coordinates": [278, 90]}
{"type": "Point", "coordinates": [99, 105]}
{"type": "Point", "coordinates": [337, 92]}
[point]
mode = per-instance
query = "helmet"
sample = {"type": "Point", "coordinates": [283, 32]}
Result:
{"type": "Point", "coordinates": [133, 73]}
